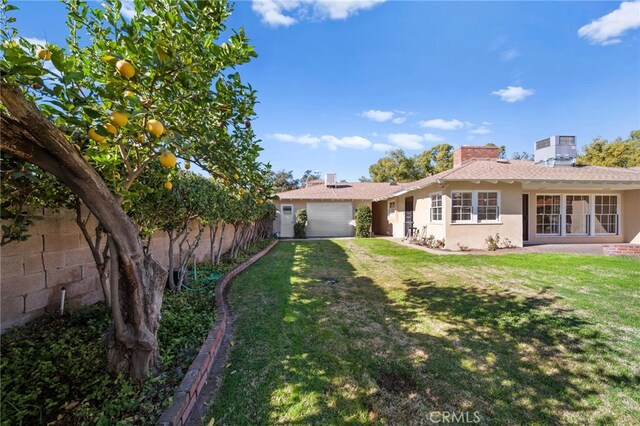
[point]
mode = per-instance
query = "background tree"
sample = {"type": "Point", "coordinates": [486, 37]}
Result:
{"type": "Point", "coordinates": [524, 156]}
{"type": "Point", "coordinates": [283, 181]}
{"type": "Point", "coordinates": [307, 176]}
{"type": "Point", "coordinates": [156, 84]}
{"type": "Point", "coordinates": [397, 166]}
{"type": "Point", "coordinates": [435, 160]}
{"type": "Point", "coordinates": [502, 153]}
{"type": "Point", "coordinates": [617, 153]}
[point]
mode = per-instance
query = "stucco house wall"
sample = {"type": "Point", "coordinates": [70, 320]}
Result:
{"type": "Point", "coordinates": [422, 212]}
{"type": "Point", "coordinates": [631, 212]}
{"type": "Point", "coordinates": [473, 235]}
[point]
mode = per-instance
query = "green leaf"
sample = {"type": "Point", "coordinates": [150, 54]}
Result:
{"type": "Point", "coordinates": [58, 60]}
{"type": "Point", "coordinates": [92, 113]}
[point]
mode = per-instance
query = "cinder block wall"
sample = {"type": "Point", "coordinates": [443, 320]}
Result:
{"type": "Point", "coordinates": [33, 272]}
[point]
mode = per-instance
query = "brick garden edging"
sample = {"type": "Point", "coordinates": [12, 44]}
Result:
{"type": "Point", "coordinates": [621, 249]}
{"type": "Point", "coordinates": [187, 393]}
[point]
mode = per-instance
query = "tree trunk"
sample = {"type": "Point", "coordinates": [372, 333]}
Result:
{"type": "Point", "coordinates": [220, 244]}
{"type": "Point", "coordinates": [172, 284]}
{"type": "Point", "coordinates": [100, 259]}
{"type": "Point", "coordinates": [132, 344]}
{"type": "Point", "coordinates": [213, 230]}
{"type": "Point", "coordinates": [184, 261]}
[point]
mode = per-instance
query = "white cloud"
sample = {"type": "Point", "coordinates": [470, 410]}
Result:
{"type": "Point", "coordinates": [303, 140]}
{"type": "Point", "coordinates": [342, 9]}
{"type": "Point", "coordinates": [430, 137]}
{"type": "Point", "coordinates": [482, 130]}
{"type": "Point", "coordinates": [439, 123]}
{"type": "Point", "coordinates": [128, 10]}
{"type": "Point", "coordinates": [513, 93]}
{"type": "Point", "coordinates": [382, 147]}
{"type": "Point", "coordinates": [379, 116]}
{"type": "Point", "coordinates": [279, 12]}
{"type": "Point", "coordinates": [509, 54]}
{"type": "Point", "coordinates": [606, 29]}
{"type": "Point", "coordinates": [406, 140]}
{"type": "Point", "coordinates": [354, 142]}
{"type": "Point", "coordinates": [399, 120]}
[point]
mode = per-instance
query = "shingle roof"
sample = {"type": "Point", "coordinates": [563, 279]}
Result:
{"type": "Point", "coordinates": [523, 171]}
{"type": "Point", "coordinates": [475, 170]}
{"type": "Point", "coordinates": [343, 191]}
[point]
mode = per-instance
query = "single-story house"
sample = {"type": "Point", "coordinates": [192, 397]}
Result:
{"type": "Point", "coordinates": [546, 201]}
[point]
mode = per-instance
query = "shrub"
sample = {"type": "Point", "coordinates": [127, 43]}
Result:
{"type": "Point", "coordinates": [495, 242]}
{"type": "Point", "coordinates": [364, 218]}
{"type": "Point", "coordinates": [462, 247]}
{"type": "Point", "coordinates": [431, 242]}
{"type": "Point", "coordinates": [299, 229]}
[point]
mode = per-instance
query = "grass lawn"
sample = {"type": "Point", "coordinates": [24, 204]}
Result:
{"type": "Point", "coordinates": [370, 332]}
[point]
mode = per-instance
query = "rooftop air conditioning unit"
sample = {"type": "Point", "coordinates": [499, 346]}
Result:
{"type": "Point", "coordinates": [556, 151]}
{"type": "Point", "coordinates": [330, 179]}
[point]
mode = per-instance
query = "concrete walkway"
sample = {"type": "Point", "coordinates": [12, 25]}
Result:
{"type": "Point", "coordinates": [590, 249]}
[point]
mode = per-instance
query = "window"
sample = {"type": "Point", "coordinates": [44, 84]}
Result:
{"type": "Point", "coordinates": [487, 206]}
{"type": "Point", "coordinates": [475, 206]}
{"type": "Point", "coordinates": [606, 214]}
{"type": "Point", "coordinates": [577, 214]}
{"type": "Point", "coordinates": [461, 206]}
{"type": "Point", "coordinates": [548, 214]}
{"type": "Point", "coordinates": [392, 207]}
{"type": "Point", "coordinates": [287, 210]}
{"type": "Point", "coordinates": [436, 207]}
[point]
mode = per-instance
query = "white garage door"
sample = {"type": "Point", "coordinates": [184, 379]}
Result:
{"type": "Point", "coordinates": [329, 220]}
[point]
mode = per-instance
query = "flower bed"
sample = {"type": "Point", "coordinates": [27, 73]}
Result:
{"type": "Point", "coordinates": [54, 369]}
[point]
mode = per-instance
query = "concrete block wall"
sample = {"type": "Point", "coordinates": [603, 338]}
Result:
{"type": "Point", "coordinates": [33, 272]}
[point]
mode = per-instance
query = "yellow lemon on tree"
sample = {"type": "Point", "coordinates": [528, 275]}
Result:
{"type": "Point", "coordinates": [168, 185]}
{"type": "Point", "coordinates": [118, 119]}
{"type": "Point", "coordinates": [236, 177]}
{"type": "Point", "coordinates": [111, 128]}
{"type": "Point", "coordinates": [93, 134]}
{"type": "Point", "coordinates": [187, 165]}
{"type": "Point", "coordinates": [168, 160]}
{"type": "Point", "coordinates": [125, 69]}
{"type": "Point", "coordinates": [260, 201]}
{"type": "Point", "coordinates": [43, 54]}
{"type": "Point", "coordinates": [155, 127]}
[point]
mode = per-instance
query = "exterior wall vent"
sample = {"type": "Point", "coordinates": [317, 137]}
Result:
{"type": "Point", "coordinates": [556, 151]}
{"type": "Point", "coordinates": [331, 179]}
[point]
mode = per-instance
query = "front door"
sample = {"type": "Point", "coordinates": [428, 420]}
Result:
{"type": "Point", "coordinates": [525, 217]}
{"type": "Point", "coordinates": [408, 216]}
{"type": "Point", "coordinates": [286, 221]}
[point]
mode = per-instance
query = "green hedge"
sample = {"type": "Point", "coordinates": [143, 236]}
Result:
{"type": "Point", "coordinates": [364, 219]}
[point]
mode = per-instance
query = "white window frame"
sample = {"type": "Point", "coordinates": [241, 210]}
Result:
{"type": "Point", "coordinates": [389, 212]}
{"type": "Point", "coordinates": [564, 217]}
{"type": "Point", "coordinates": [592, 215]}
{"type": "Point", "coordinates": [431, 207]}
{"type": "Point", "coordinates": [561, 214]}
{"type": "Point", "coordinates": [474, 207]}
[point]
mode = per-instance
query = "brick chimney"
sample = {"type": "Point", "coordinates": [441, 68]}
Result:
{"type": "Point", "coordinates": [466, 153]}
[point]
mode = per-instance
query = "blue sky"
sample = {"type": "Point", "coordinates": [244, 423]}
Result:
{"type": "Point", "coordinates": [339, 83]}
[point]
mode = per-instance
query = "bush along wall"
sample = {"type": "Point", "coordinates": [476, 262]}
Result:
{"type": "Point", "coordinates": [300, 227]}
{"type": "Point", "coordinates": [364, 218]}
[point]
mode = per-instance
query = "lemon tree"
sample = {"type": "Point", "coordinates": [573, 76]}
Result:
{"type": "Point", "coordinates": [120, 93]}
